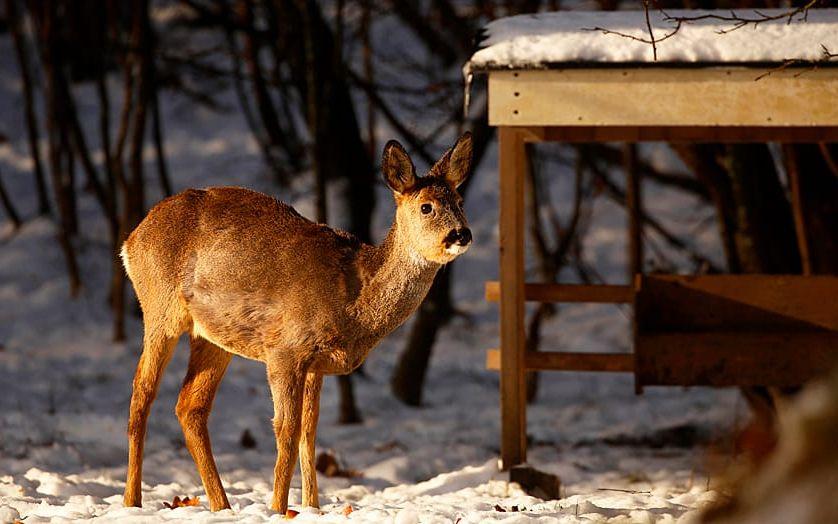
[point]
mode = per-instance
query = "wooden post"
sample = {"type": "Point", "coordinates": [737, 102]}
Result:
{"type": "Point", "coordinates": [513, 167]}
{"type": "Point", "coordinates": [635, 211]}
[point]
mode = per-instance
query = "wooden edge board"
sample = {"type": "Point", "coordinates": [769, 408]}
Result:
{"type": "Point", "coordinates": [568, 361]}
{"type": "Point", "coordinates": [603, 294]}
{"type": "Point", "coordinates": [704, 97]}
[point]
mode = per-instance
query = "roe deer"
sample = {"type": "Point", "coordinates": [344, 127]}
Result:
{"type": "Point", "coordinates": [246, 274]}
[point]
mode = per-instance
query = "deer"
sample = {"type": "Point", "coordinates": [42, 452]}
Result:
{"type": "Point", "coordinates": [245, 274]}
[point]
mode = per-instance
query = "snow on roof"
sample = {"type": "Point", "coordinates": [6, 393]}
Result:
{"type": "Point", "coordinates": [549, 39]}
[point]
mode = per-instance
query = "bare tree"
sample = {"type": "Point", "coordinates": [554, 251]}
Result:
{"type": "Point", "coordinates": [24, 62]}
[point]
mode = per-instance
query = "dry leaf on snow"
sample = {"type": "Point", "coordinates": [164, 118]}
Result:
{"type": "Point", "coordinates": [178, 502]}
{"type": "Point", "coordinates": [328, 465]}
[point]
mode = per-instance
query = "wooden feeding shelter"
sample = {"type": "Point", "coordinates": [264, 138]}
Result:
{"type": "Point", "coordinates": [596, 77]}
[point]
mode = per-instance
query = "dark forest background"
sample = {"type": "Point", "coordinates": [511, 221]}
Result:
{"type": "Point", "coordinates": [313, 88]}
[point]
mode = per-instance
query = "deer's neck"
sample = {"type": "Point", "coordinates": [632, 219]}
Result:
{"type": "Point", "coordinates": [395, 280]}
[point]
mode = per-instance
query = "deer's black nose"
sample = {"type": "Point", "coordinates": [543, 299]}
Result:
{"type": "Point", "coordinates": [460, 236]}
{"type": "Point", "coordinates": [464, 236]}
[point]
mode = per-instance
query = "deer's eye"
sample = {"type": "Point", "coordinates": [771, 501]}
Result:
{"type": "Point", "coordinates": [426, 208]}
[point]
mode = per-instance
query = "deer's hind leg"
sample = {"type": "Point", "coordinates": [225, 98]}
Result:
{"type": "Point", "coordinates": [159, 341]}
{"type": "Point", "coordinates": [207, 364]}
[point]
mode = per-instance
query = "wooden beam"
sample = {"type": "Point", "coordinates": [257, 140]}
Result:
{"type": "Point", "coordinates": [513, 167]}
{"type": "Point", "coordinates": [688, 134]}
{"type": "Point", "coordinates": [746, 303]}
{"type": "Point", "coordinates": [603, 294]}
{"type": "Point", "coordinates": [568, 361]}
{"type": "Point", "coordinates": [734, 358]}
{"type": "Point", "coordinates": [655, 97]}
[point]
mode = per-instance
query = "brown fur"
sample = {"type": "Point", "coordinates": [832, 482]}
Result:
{"type": "Point", "coordinates": [245, 274]}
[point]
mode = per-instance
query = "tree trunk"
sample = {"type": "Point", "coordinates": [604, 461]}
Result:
{"type": "Point", "coordinates": [409, 376]}
{"type": "Point", "coordinates": [157, 132]}
{"type": "Point", "coordinates": [340, 151]}
{"type": "Point", "coordinates": [815, 189]}
{"type": "Point", "coordinates": [59, 148]}
{"type": "Point", "coordinates": [701, 159]}
{"type": "Point", "coordinates": [11, 212]}
{"type": "Point", "coordinates": [765, 236]}
{"type": "Point", "coordinates": [133, 188]}
{"type": "Point", "coordinates": [28, 106]}
{"type": "Point", "coordinates": [274, 134]}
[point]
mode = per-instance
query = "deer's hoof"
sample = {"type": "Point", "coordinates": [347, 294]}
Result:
{"type": "Point", "coordinates": [132, 501]}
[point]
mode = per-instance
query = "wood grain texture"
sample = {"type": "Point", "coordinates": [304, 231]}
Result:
{"type": "Point", "coordinates": [603, 294]}
{"type": "Point", "coordinates": [568, 361]}
{"type": "Point", "coordinates": [725, 330]}
{"type": "Point", "coordinates": [734, 358]}
{"type": "Point", "coordinates": [513, 164]}
{"type": "Point", "coordinates": [788, 303]}
{"type": "Point", "coordinates": [713, 96]}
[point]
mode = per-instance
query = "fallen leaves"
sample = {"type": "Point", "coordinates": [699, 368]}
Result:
{"type": "Point", "coordinates": [328, 465]}
{"type": "Point", "coordinates": [501, 509]}
{"type": "Point", "coordinates": [347, 510]}
{"type": "Point", "coordinates": [178, 502]}
{"type": "Point", "coordinates": [291, 513]}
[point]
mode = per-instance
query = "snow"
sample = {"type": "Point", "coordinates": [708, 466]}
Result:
{"type": "Point", "coordinates": [65, 386]}
{"type": "Point", "coordinates": [567, 37]}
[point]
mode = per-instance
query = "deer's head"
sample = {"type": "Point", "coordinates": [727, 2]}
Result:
{"type": "Point", "coordinates": [429, 209]}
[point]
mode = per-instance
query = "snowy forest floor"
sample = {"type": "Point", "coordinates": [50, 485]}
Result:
{"type": "Point", "coordinates": [65, 387]}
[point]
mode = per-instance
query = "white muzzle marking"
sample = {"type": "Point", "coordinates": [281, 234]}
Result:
{"type": "Point", "coordinates": [456, 249]}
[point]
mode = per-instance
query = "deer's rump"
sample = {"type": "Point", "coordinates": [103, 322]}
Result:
{"type": "Point", "coordinates": [251, 272]}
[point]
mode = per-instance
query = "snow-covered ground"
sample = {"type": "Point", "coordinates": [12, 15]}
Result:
{"type": "Point", "coordinates": [65, 387]}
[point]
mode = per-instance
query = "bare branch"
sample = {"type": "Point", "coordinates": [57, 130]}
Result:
{"type": "Point", "coordinates": [737, 22]}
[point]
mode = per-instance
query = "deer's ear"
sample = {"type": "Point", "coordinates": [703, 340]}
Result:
{"type": "Point", "coordinates": [455, 164]}
{"type": "Point", "coordinates": [398, 169]}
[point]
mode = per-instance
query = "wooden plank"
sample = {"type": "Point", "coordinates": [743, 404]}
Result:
{"type": "Point", "coordinates": [736, 302]}
{"type": "Point", "coordinates": [712, 96]}
{"type": "Point", "coordinates": [603, 294]}
{"type": "Point", "coordinates": [734, 358]}
{"type": "Point", "coordinates": [513, 167]}
{"type": "Point", "coordinates": [689, 134]}
{"type": "Point", "coordinates": [568, 361]}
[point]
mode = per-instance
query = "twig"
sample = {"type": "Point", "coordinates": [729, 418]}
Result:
{"type": "Point", "coordinates": [649, 28]}
{"type": "Point", "coordinates": [625, 490]}
{"type": "Point", "coordinates": [391, 117]}
{"type": "Point", "coordinates": [826, 56]}
{"type": "Point", "coordinates": [737, 20]}
{"type": "Point", "coordinates": [740, 21]}
{"type": "Point", "coordinates": [618, 195]}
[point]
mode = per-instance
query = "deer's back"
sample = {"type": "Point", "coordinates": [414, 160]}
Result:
{"type": "Point", "coordinates": [251, 272]}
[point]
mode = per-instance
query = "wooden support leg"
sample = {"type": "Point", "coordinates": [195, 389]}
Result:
{"type": "Point", "coordinates": [513, 169]}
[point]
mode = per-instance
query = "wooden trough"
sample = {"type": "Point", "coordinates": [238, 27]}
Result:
{"type": "Point", "coordinates": [717, 330]}
{"type": "Point", "coordinates": [709, 330]}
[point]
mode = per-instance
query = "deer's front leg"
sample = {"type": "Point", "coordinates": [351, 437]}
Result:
{"type": "Point", "coordinates": [311, 412]}
{"type": "Point", "coordinates": [287, 385]}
